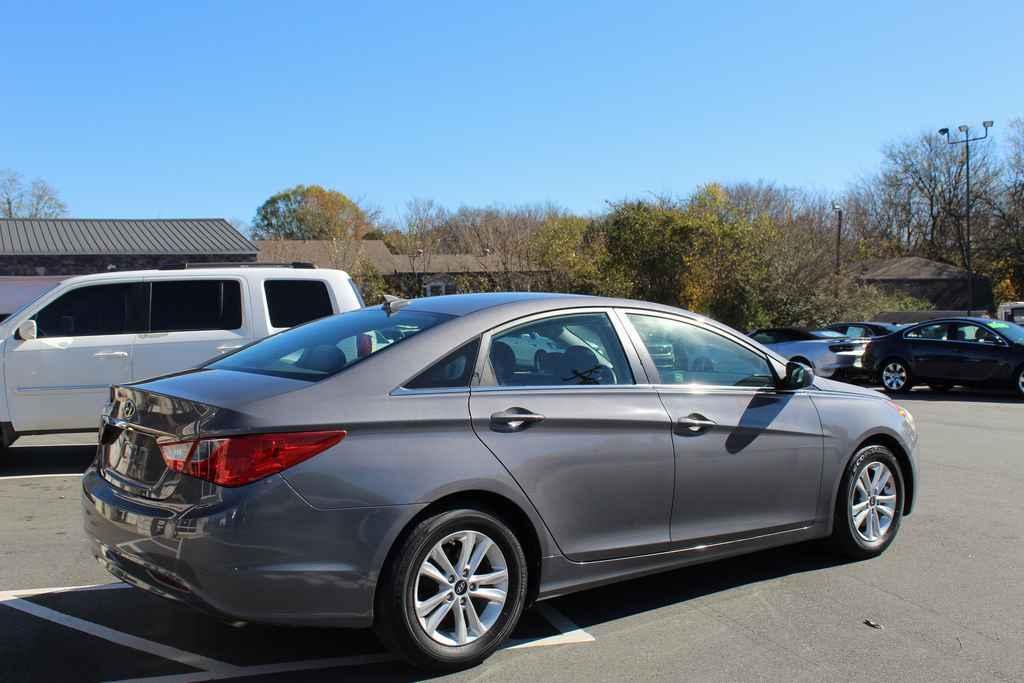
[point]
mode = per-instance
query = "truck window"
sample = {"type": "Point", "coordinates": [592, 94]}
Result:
{"type": "Point", "coordinates": [92, 311]}
{"type": "Point", "coordinates": [184, 305]}
{"type": "Point", "coordinates": [293, 302]}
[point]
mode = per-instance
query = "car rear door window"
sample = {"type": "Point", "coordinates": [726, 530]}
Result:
{"type": "Point", "coordinates": [94, 310]}
{"type": "Point", "coordinates": [855, 331]}
{"type": "Point", "coordinates": [187, 305]}
{"type": "Point", "coordinates": [453, 371]}
{"type": "Point", "coordinates": [689, 354]}
{"type": "Point", "coordinates": [576, 349]}
{"type": "Point", "coordinates": [933, 332]}
{"type": "Point", "coordinates": [293, 302]}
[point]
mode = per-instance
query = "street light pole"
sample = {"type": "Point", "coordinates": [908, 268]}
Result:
{"type": "Point", "coordinates": [968, 256]}
{"type": "Point", "coordinates": [839, 236]}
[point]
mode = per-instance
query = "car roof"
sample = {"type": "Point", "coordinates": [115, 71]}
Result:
{"type": "Point", "coordinates": [186, 273]}
{"type": "Point", "coordinates": [531, 302]}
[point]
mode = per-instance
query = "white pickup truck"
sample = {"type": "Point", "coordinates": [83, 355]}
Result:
{"type": "Point", "coordinates": [60, 353]}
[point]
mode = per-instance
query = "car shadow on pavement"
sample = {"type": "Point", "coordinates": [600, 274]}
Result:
{"type": "Point", "coordinates": [35, 460]}
{"type": "Point", "coordinates": [628, 598]}
{"type": "Point", "coordinates": [971, 395]}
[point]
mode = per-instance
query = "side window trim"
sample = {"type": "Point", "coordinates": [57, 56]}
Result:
{"type": "Point", "coordinates": [652, 369]}
{"type": "Point", "coordinates": [485, 380]}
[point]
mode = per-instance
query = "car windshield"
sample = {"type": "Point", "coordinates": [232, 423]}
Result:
{"type": "Point", "coordinates": [327, 346]}
{"type": "Point", "coordinates": [1011, 331]}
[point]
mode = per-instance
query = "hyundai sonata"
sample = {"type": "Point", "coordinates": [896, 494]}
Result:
{"type": "Point", "coordinates": [432, 467]}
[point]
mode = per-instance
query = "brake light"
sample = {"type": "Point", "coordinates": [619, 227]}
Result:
{"type": "Point", "coordinates": [239, 460]}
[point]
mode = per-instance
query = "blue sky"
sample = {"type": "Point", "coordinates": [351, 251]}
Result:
{"type": "Point", "coordinates": [174, 109]}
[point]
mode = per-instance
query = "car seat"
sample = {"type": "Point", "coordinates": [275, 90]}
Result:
{"type": "Point", "coordinates": [503, 360]}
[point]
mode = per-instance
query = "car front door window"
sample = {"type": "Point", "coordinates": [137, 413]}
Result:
{"type": "Point", "coordinates": [689, 354]}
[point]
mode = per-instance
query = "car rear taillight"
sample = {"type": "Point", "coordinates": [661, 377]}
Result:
{"type": "Point", "coordinates": [239, 460]}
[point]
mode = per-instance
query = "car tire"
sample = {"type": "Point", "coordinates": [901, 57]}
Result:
{"type": "Point", "coordinates": [869, 506]}
{"type": "Point", "coordinates": [407, 582]}
{"type": "Point", "coordinates": [1018, 382]}
{"type": "Point", "coordinates": [895, 376]}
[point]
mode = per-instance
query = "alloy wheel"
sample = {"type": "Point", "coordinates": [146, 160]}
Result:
{"type": "Point", "coordinates": [894, 376]}
{"type": "Point", "coordinates": [1020, 382]}
{"type": "Point", "coordinates": [461, 588]}
{"type": "Point", "coordinates": [873, 502]}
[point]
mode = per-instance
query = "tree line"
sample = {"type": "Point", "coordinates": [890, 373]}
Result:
{"type": "Point", "coordinates": [749, 254]}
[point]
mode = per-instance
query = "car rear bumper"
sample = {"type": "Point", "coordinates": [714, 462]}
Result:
{"type": "Point", "coordinates": [258, 553]}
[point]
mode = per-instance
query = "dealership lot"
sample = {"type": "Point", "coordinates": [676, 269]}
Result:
{"type": "Point", "coordinates": [947, 595]}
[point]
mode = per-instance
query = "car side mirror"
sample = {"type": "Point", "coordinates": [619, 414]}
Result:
{"type": "Point", "coordinates": [798, 376]}
{"type": "Point", "coordinates": [27, 330]}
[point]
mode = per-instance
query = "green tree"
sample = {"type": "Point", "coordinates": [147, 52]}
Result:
{"type": "Point", "coordinates": [309, 212]}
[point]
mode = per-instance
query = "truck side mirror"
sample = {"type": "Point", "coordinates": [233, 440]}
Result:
{"type": "Point", "coordinates": [27, 330]}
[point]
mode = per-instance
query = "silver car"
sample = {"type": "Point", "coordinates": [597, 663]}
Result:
{"type": "Point", "coordinates": [413, 467]}
{"type": "Point", "coordinates": [828, 352]}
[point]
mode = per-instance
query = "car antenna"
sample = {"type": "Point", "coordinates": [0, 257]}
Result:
{"type": "Point", "coordinates": [393, 304]}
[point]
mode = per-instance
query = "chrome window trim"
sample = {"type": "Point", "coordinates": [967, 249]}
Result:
{"type": "Point", "coordinates": [402, 391]}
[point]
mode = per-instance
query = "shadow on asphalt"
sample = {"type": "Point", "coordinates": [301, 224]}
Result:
{"type": "Point", "coordinates": [628, 598]}
{"type": "Point", "coordinates": [27, 460]}
{"type": "Point", "coordinates": [967, 395]}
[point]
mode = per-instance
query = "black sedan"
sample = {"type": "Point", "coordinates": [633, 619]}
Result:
{"type": "Point", "coordinates": [953, 351]}
{"type": "Point", "coordinates": [864, 329]}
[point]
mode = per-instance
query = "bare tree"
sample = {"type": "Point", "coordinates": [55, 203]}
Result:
{"type": "Point", "coordinates": [37, 199]}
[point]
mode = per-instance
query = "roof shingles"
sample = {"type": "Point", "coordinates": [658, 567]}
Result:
{"type": "Point", "coordinates": [75, 236]}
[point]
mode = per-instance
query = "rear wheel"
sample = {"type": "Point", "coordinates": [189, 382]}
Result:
{"type": "Point", "coordinates": [895, 376]}
{"type": "Point", "coordinates": [453, 591]}
{"type": "Point", "coordinates": [869, 506]}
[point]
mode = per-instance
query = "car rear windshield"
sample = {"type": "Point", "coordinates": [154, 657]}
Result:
{"type": "Point", "coordinates": [327, 346]}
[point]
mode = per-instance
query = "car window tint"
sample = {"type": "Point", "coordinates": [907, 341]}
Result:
{"type": "Point", "coordinates": [689, 354]}
{"type": "Point", "coordinates": [327, 346]}
{"type": "Point", "coordinates": [935, 332]}
{"type": "Point", "coordinates": [452, 371]}
{"type": "Point", "coordinates": [293, 302]}
{"type": "Point", "coordinates": [765, 337]}
{"type": "Point", "coordinates": [974, 333]}
{"type": "Point", "coordinates": [578, 349]}
{"type": "Point", "coordinates": [857, 331]}
{"type": "Point", "coordinates": [183, 305]}
{"type": "Point", "coordinates": [95, 310]}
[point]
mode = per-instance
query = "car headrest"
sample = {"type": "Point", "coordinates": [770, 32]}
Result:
{"type": "Point", "coordinates": [325, 358]}
{"type": "Point", "coordinates": [503, 360]}
{"type": "Point", "coordinates": [576, 362]}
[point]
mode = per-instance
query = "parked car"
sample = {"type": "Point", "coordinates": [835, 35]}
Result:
{"type": "Point", "coordinates": [404, 466]}
{"type": "Point", "coordinates": [943, 353]}
{"type": "Point", "coordinates": [861, 330]}
{"type": "Point", "coordinates": [1013, 311]}
{"type": "Point", "coordinates": [827, 352]}
{"type": "Point", "coordinates": [61, 352]}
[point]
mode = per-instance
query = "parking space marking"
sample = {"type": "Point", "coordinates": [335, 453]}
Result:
{"type": "Point", "coordinates": [569, 634]}
{"type": "Point", "coordinates": [120, 638]}
{"type": "Point", "coordinates": [39, 476]}
{"type": "Point", "coordinates": [214, 669]}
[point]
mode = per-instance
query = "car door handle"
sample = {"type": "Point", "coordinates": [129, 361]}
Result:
{"type": "Point", "coordinates": [694, 423]}
{"type": "Point", "coordinates": [111, 355]}
{"type": "Point", "coordinates": [224, 348]}
{"type": "Point", "coordinates": [514, 420]}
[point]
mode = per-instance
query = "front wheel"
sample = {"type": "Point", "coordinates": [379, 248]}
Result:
{"type": "Point", "coordinates": [1018, 382]}
{"type": "Point", "coordinates": [895, 376]}
{"type": "Point", "coordinates": [453, 591]}
{"type": "Point", "coordinates": [869, 506]}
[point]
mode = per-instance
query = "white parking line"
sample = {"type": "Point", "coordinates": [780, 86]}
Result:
{"type": "Point", "coordinates": [125, 639]}
{"type": "Point", "coordinates": [213, 669]}
{"type": "Point", "coordinates": [39, 476]}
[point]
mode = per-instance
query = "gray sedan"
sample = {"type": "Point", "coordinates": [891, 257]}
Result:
{"type": "Point", "coordinates": [828, 352]}
{"type": "Point", "coordinates": [414, 467]}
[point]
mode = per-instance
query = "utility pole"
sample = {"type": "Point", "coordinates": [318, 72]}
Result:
{"type": "Point", "coordinates": [968, 256]}
{"type": "Point", "coordinates": [839, 237]}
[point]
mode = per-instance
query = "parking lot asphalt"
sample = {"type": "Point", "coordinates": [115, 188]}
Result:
{"type": "Point", "coordinates": [945, 602]}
